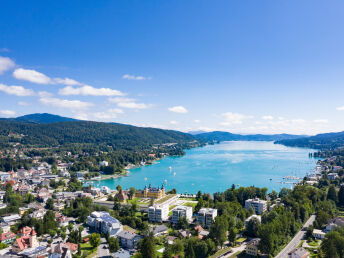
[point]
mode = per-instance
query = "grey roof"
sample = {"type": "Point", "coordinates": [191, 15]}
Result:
{"type": "Point", "coordinates": [160, 228]}
{"type": "Point", "coordinates": [299, 251]}
{"type": "Point", "coordinates": [127, 235]}
{"type": "Point", "coordinates": [122, 254]}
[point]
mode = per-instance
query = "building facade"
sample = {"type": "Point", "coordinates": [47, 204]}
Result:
{"type": "Point", "coordinates": [181, 211]}
{"type": "Point", "coordinates": [158, 213]}
{"type": "Point", "coordinates": [151, 192]}
{"type": "Point", "coordinates": [206, 216]}
{"type": "Point", "coordinates": [259, 205]}
{"type": "Point", "coordinates": [102, 222]}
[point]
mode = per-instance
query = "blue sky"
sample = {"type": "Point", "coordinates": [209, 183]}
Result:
{"type": "Point", "coordinates": [239, 66]}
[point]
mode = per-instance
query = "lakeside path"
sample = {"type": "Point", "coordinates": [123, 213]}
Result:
{"type": "Point", "coordinates": [296, 240]}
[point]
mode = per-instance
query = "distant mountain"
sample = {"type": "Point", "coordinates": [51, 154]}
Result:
{"type": "Point", "coordinates": [219, 136]}
{"type": "Point", "coordinates": [325, 141]}
{"type": "Point", "coordinates": [43, 118]}
{"type": "Point", "coordinates": [196, 132]}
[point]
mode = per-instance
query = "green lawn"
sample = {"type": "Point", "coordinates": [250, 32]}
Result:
{"type": "Point", "coordinates": [191, 204]}
{"type": "Point", "coordinates": [87, 247]}
{"type": "Point", "coordinates": [220, 252]}
{"type": "Point", "coordinates": [164, 199]}
{"type": "Point", "coordinates": [313, 243]}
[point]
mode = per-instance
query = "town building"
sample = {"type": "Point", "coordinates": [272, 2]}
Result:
{"type": "Point", "coordinates": [7, 237]}
{"type": "Point", "coordinates": [252, 247]}
{"type": "Point", "coordinates": [151, 192]}
{"type": "Point", "coordinates": [259, 218]}
{"type": "Point", "coordinates": [332, 176]}
{"type": "Point", "coordinates": [334, 223]}
{"type": "Point", "coordinates": [160, 230]}
{"type": "Point", "coordinates": [102, 222]}
{"type": "Point", "coordinates": [158, 213]}
{"type": "Point", "coordinates": [181, 211]}
{"type": "Point", "coordinates": [259, 205]}
{"type": "Point", "coordinates": [105, 190]}
{"type": "Point", "coordinates": [128, 240]}
{"type": "Point", "coordinates": [299, 253]}
{"type": "Point", "coordinates": [121, 196]}
{"type": "Point", "coordinates": [12, 219]}
{"type": "Point", "coordinates": [103, 163]}
{"type": "Point", "coordinates": [43, 194]}
{"type": "Point", "coordinates": [25, 242]}
{"type": "Point", "coordinates": [319, 234]}
{"type": "Point", "coordinates": [206, 216]}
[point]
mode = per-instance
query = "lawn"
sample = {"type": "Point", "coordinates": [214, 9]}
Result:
{"type": "Point", "coordinates": [158, 247]}
{"type": "Point", "coordinates": [87, 247]}
{"type": "Point", "coordinates": [221, 251]}
{"type": "Point", "coordinates": [191, 204]}
{"type": "Point", "coordinates": [313, 243]}
{"type": "Point", "coordinates": [164, 199]}
{"type": "Point", "coordinates": [139, 201]}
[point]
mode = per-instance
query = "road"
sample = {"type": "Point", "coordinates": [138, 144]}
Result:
{"type": "Point", "coordinates": [234, 250]}
{"type": "Point", "coordinates": [296, 240]}
{"type": "Point", "coordinates": [103, 249]}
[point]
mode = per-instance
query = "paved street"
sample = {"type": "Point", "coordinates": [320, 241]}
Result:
{"type": "Point", "coordinates": [103, 250]}
{"type": "Point", "coordinates": [296, 240]}
{"type": "Point", "coordinates": [234, 250]}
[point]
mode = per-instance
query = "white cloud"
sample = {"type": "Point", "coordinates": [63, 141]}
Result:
{"type": "Point", "coordinates": [16, 90]}
{"type": "Point", "coordinates": [66, 81]}
{"type": "Point", "coordinates": [7, 113]}
{"type": "Point", "coordinates": [234, 118]}
{"type": "Point", "coordinates": [116, 110]}
{"type": "Point", "coordinates": [129, 103]}
{"type": "Point", "coordinates": [5, 64]}
{"type": "Point", "coordinates": [133, 77]}
{"type": "Point", "coordinates": [340, 108]}
{"type": "Point", "coordinates": [178, 109]}
{"type": "Point", "coordinates": [267, 117]}
{"type": "Point", "coordinates": [4, 49]}
{"type": "Point", "coordinates": [89, 90]}
{"type": "Point", "coordinates": [23, 103]}
{"type": "Point", "coordinates": [31, 76]}
{"type": "Point", "coordinates": [44, 94]}
{"type": "Point", "coordinates": [322, 121]}
{"type": "Point", "coordinates": [63, 103]}
{"type": "Point", "coordinates": [197, 121]}
{"type": "Point", "coordinates": [174, 122]}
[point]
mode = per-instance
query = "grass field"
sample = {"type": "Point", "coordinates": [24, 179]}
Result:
{"type": "Point", "coordinates": [86, 247]}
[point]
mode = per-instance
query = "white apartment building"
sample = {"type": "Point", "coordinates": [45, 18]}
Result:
{"type": "Point", "coordinates": [158, 213]}
{"type": "Point", "coordinates": [206, 216]}
{"type": "Point", "coordinates": [102, 222]}
{"type": "Point", "coordinates": [103, 163]}
{"type": "Point", "coordinates": [259, 205]}
{"type": "Point", "coordinates": [181, 211]}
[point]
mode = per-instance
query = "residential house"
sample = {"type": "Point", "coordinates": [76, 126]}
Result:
{"type": "Point", "coordinates": [25, 242]}
{"type": "Point", "coordinates": [102, 222]}
{"type": "Point", "coordinates": [105, 190]}
{"type": "Point", "coordinates": [128, 240]}
{"type": "Point", "coordinates": [12, 219]}
{"type": "Point", "coordinates": [160, 230]}
{"type": "Point", "coordinates": [181, 211]}
{"type": "Point", "coordinates": [259, 205]}
{"type": "Point", "coordinates": [158, 213]}
{"type": "Point", "coordinates": [319, 234]}
{"type": "Point", "coordinates": [252, 247]}
{"type": "Point", "coordinates": [299, 253]}
{"type": "Point", "coordinates": [43, 194]}
{"type": "Point", "coordinates": [333, 223]}
{"type": "Point", "coordinates": [206, 216]}
{"type": "Point", "coordinates": [7, 237]}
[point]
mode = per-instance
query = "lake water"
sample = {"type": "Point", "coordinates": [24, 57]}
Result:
{"type": "Point", "coordinates": [215, 168]}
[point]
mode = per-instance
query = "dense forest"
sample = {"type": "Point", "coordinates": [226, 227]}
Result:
{"type": "Point", "coordinates": [326, 141]}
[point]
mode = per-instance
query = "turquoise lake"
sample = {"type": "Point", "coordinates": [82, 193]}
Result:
{"type": "Point", "coordinates": [215, 168]}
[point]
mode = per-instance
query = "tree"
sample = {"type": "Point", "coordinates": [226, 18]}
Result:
{"type": "Point", "coordinates": [147, 247]}
{"type": "Point", "coordinates": [52, 233]}
{"type": "Point", "coordinates": [189, 250]}
{"type": "Point", "coordinates": [252, 227]}
{"type": "Point", "coordinates": [341, 196]}
{"type": "Point", "coordinates": [218, 230]}
{"type": "Point", "coordinates": [50, 204]}
{"type": "Point", "coordinates": [113, 244]}
{"type": "Point", "coordinates": [231, 235]}
{"type": "Point", "coordinates": [95, 240]}
{"type": "Point", "coordinates": [182, 223]}
{"type": "Point", "coordinates": [118, 188]}
{"type": "Point", "coordinates": [132, 192]}
{"type": "Point", "coordinates": [332, 193]}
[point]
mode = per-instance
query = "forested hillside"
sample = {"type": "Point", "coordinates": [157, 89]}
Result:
{"type": "Point", "coordinates": [326, 141]}
{"type": "Point", "coordinates": [118, 136]}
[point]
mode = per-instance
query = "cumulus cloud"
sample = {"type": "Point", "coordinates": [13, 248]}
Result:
{"type": "Point", "coordinates": [174, 122]}
{"type": "Point", "coordinates": [89, 90]}
{"type": "Point", "coordinates": [134, 77]}
{"type": "Point", "coordinates": [7, 113]}
{"type": "Point", "coordinates": [233, 118]}
{"type": "Point", "coordinates": [16, 90]}
{"type": "Point", "coordinates": [63, 103]}
{"type": "Point", "coordinates": [67, 81]}
{"type": "Point", "coordinates": [5, 64]}
{"type": "Point", "coordinates": [102, 116]}
{"type": "Point", "coordinates": [267, 117]}
{"type": "Point", "coordinates": [129, 103]}
{"type": "Point", "coordinates": [340, 108]}
{"type": "Point", "coordinates": [44, 94]}
{"type": "Point", "coordinates": [31, 76]}
{"type": "Point", "coordinates": [178, 109]}
{"type": "Point", "coordinates": [322, 121]}
{"type": "Point", "coordinates": [197, 121]}
{"type": "Point", "coordinates": [23, 103]}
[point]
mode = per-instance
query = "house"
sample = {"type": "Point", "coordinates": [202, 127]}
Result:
{"type": "Point", "coordinates": [5, 227]}
{"type": "Point", "coordinates": [4, 176]}
{"type": "Point", "coordinates": [12, 219]}
{"type": "Point", "coordinates": [102, 222]}
{"type": "Point", "coordinates": [259, 218]}
{"type": "Point", "coordinates": [252, 247]}
{"type": "Point", "coordinates": [121, 196]}
{"type": "Point", "coordinates": [43, 194]}
{"type": "Point", "coordinates": [206, 216]}
{"type": "Point", "coordinates": [128, 240]}
{"type": "Point", "coordinates": [184, 233]}
{"type": "Point", "coordinates": [105, 190]}
{"type": "Point", "coordinates": [59, 206]}
{"type": "Point", "coordinates": [63, 173]}
{"type": "Point", "coordinates": [158, 213]}
{"type": "Point", "coordinates": [319, 234]}
{"type": "Point", "coordinates": [63, 221]}
{"type": "Point", "coordinates": [25, 242]}
{"type": "Point", "coordinates": [333, 223]}
{"type": "Point", "coordinates": [181, 211]}
{"type": "Point", "coordinates": [121, 253]}
{"type": "Point", "coordinates": [170, 239]}
{"type": "Point", "coordinates": [7, 237]}
{"type": "Point", "coordinates": [25, 231]}
{"type": "Point", "coordinates": [259, 205]}
{"type": "Point", "coordinates": [332, 176]}
{"type": "Point", "coordinates": [299, 253]}
{"type": "Point", "coordinates": [160, 230]}
{"type": "Point", "coordinates": [38, 214]}
{"type": "Point", "coordinates": [336, 168]}
{"type": "Point", "coordinates": [103, 163]}
{"type": "Point", "coordinates": [62, 250]}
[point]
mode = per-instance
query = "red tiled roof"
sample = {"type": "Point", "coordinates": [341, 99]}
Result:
{"type": "Point", "coordinates": [25, 231]}
{"type": "Point", "coordinates": [5, 236]}
{"type": "Point", "coordinates": [72, 247]}
{"type": "Point", "coordinates": [23, 242]}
